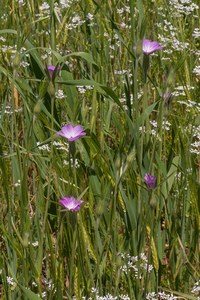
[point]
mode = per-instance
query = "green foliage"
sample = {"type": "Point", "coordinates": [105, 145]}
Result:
{"type": "Point", "coordinates": [118, 243]}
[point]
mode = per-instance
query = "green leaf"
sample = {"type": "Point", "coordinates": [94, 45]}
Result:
{"type": "Point", "coordinates": [186, 296]}
{"type": "Point", "coordinates": [8, 31]}
{"type": "Point", "coordinates": [29, 294]}
{"type": "Point", "coordinates": [166, 187]}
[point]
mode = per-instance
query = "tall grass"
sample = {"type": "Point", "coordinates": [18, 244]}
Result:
{"type": "Point", "coordinates": [126, 241]}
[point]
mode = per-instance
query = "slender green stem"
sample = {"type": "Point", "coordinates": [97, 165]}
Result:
{"type": "Point", "coordinates": [147, 118]}
{"type": "Point", "coordinates": [115, 226]}
{"type": "Point", "coordinates": [149, 253]}
{"type": "Point", "coordinates": [53, 29]}
{"type": "Point", "coordinates": [75, 175]}
{"type": "Point", "coordinates": [72, 260]}
{"type": "Point", "coordinates": [97, 251]}
{"type": "Point", "coordinates": [160, 126]}
{"type": "Point", "coordinates": [48, 190]}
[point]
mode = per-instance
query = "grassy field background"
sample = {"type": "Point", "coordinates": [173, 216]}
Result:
{"type": "Point", "coordinates": [140, 113]}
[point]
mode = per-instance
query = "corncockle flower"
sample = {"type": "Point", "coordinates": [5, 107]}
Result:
{"type": "Point", "coordinates": [150, 181]}
{"type": "Point", "coordinates": [71, 203]}
{"type": "Point", "coordinates": [167, 97]}
{"type": "Point", "coordinates": [50, 70]}
{"type": "Point", "coordinates": [71, 133]}
{"type": "Point", "coordinates": [149, 47]}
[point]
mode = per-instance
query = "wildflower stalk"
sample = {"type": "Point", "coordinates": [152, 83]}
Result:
{"type": "Point", "coordinates": [97, 253]}
{"type": "Point", "coordinates": [136, 109]}
{"type": "Point", "coordinates": [72, 260]}
{"type": "Point", "coordinates": [113, 264]}
{"type": "Point", "coordinates": [15, 126]}
{"type": "Point", "coordinates": [53, 29]}
{"type": "Point", "coordinates": [115, 225]}
{"type": "Point", "coordinates": [161, 131]}
{"type": "Point", "coordinates": [145, 67]}
{"type": "Point", "coordinates": [74, 169]}
{"type": "Point", "coordinates": [149, 253]}
{"type": "Point", "coordinates": [40, 251]}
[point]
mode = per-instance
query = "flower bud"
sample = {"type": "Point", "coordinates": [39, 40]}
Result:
{"type": "Point", "coordinates": [37, 107]}
{"type": "Point", "coordinates": [153, 201]}
{"type": "Point", "coordinates": [119, 261]}
{"type": "Point", "coordinates": [51, 89]}
{"type": "Point", "coordinates": [16, 61]}
{"type": "Point", "coordinates": [100, 208]}
{"type": "Point", "coordinates": [131, 157]}
{"type": "Point", "coordinates": [118, 162]}
{"type": "Point", "coordinates": [25, 240]}
{"type": "Point", "coordinates": [170, 78]}
{"type": "Point", "coordinates": [138, 51]}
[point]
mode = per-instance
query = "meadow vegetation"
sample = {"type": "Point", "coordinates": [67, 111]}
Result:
{"type": "Point", "coordinates": [99, 149]}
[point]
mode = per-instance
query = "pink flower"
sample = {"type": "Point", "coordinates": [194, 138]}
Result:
{"type": "Point", "coordinates": [149, 47]}
{"type": "Point", "coordinates": [167, 97]}
{"type": "Point", "coordinates": [71, 133]}
{"type": "Point", "coordinates": [51, 69]}
{"type": "Point", "coordinates": [71, 203]}
{"type": "Point", "coordinates": [150, 181]}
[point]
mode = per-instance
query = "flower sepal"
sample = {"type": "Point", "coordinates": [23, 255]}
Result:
{"type": "Point", "coordinates": [51, 89]}
{"type": "Point", "coordinates": [153, 200]}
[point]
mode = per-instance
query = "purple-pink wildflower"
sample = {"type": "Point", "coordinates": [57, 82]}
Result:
{"type": "Point", "coordinates": [71, 133]}
{"type": "Point", "coordinates": [149, 47]}
{"type": "Point", "coordinates": [71, 203]}
{"type": "Point", "coordinates": [150, 181]}
{"type": "Point", "coordinates": [50, 70]}
{"type": "Point", "coordinates": [167, 97]}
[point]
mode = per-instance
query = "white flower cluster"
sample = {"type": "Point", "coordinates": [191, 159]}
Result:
{"type": "Point", "coordinates": [60, 94]}
{"type": "Point", "coordinates": [132, 264]}
{"type": "Point", "coordinates": [149, 296]}
{"type": "Point", "coordinates": [196, 33]}
{"type": "Point", "coordinates": [22, 2]}
{"type": "Point", "coordinates": [45, 9]}
{"type": "Point", "coordinates": [59, 146]}
{"type": "Point", "coordinates": [196, 70]}
{"type": "Point", "coordinates": [166, 125]}
{"type": "Point", "coordinates": [190, 104]}
{"type": "Point", "coordinates": [66, 163]}
{"type": "Point", "coordinates": [180, 9]}
{"type": "Point", "coordinates": [106, 297]}
{"type": "Point", "coordinates": [76, 21]}
{"type": "Point", "coordinates": [66, 3]}
{"type": "Point", "coordinates": [196, 288]}
{"type": "Point", "coordinates": [175, 43]}
{"type": "Point", "coordinates": [83, 89]}
{"type": "Point", "coordinates": [195, 147]}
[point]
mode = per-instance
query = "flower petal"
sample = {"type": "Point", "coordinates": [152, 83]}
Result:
{"type": "Point", "coordinates": [70, 203]}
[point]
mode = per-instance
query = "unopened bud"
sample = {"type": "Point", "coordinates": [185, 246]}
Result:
{"type": "Point", "coordinates": [197, 121]}
{"type": "Point", "coordinates": [170, 78]}
{"type": "Point", "coordinates": [51, 89]}
{"type": "Point", "coordinates": [153, 200]}
{"type": "Point", "coordinates": [16, 61]}
{"type": "Point", "coordinates": [131, 157]}
{"type": "Point", "coordinates": [139, 48]}
{"type": "Point", "coordinates": [25, 240]}
{"type": "Point", "coordinates": [100, 208]}
{"type": "Point", "coordinates": [43, 88]}
{"type": "Point", "coordinates": [118, 162]}
{"type": "Point", "coordinates": [37, 107]}
{"type": "Point", "coordinates": [119, 261]}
